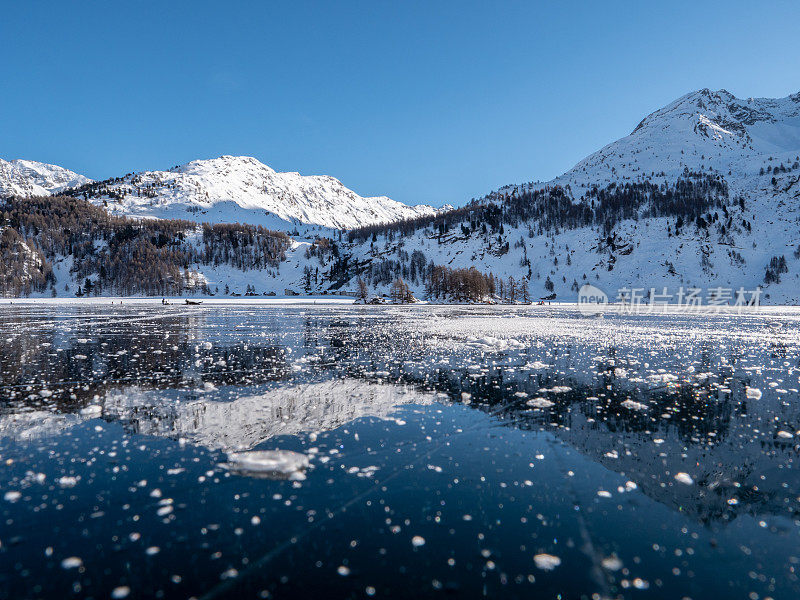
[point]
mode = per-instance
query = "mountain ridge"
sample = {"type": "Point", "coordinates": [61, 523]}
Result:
{"type": "Point", "coordinates": [226, 189]}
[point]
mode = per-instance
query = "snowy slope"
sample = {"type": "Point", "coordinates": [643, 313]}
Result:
{"type": "Point", "coordinates": [31, 178]}
{"type": "Point", "coordinates": [242, 189]}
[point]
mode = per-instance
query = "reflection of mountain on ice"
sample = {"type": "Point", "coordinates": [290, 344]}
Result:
{"type": "Point", "coordinates": [250, 420]}
{"type": "Point", "coordinates": [35, 425]}
{"type": "Point", "coordinates": [728, 480]}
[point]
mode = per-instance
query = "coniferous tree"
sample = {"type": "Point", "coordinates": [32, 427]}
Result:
{"type": "Point", "coordinates": [363, 291]}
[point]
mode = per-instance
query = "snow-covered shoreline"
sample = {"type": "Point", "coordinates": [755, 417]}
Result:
{"type": "Point", "coordinates": [180, 301]}
{"type": "Point", "coordinates": [341, 301]}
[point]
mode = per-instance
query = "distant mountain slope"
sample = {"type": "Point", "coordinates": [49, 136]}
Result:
{"type": "Point", "coordinates": [242, 189]}
{"type": "Point", "coordinates": [31, 178]}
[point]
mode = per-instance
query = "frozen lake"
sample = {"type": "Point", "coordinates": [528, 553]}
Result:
{"type": "Point", "coordinates": [477, 451]}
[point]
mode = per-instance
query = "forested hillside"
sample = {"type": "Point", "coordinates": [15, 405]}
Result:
{"type": "Point", "coordinates": [119, 255]}
{"type": "Point", "coordinates": [554, 208]}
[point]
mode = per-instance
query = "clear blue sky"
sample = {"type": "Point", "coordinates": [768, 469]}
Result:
{"type": "Point", "coordinates": [422, 101]}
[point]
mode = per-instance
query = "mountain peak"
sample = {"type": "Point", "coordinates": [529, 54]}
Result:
{"type": "Point", "coordinates": [702, 131]}
{"type": "Point", "coordinates": [724, 110]}
{"type": "Point", "coordinates": [223, 164]}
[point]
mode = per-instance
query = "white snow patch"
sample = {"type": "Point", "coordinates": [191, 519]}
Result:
{"type": "Point", "coordinates": [275, 462]}
{"type": "Point", "coordinates": [546, 562]}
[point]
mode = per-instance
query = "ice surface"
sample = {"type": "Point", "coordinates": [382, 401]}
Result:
{"type": "Point", "coordinates": [645, 426]}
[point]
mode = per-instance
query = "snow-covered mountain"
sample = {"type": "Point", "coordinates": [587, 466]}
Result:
{"type": "Point", "coordinates": [703, 193]}
{"type": "Point", "coordinates": [241, 189]}
{"type": "Point", "coordinates": [748, 149]}
{"type": "Point", "coordinates": [31, 178]}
